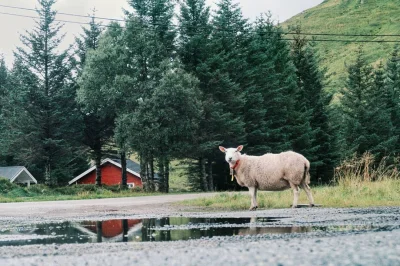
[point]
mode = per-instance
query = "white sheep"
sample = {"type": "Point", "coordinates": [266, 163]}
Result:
{"type": "Point", "coordinates": [271, 172]}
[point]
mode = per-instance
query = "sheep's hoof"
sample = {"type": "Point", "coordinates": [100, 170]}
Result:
{"type": "Point", "coordinates": [294, 206]}
{"type": "Point", "coordinates": [253, 208]}
{"type": "Point", "coordinates": [312, 205]}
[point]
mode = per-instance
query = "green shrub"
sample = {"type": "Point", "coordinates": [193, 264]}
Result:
{"type": "Point", "coordinates": [18, 192]}
{"type": "Point", "coordinates": [38, 189]}
{"type": "Point", "coordinates": [113, 188]}
{"type": "Point", "coordinates": [6, 186]}
{"type": "Point", "coordinates": [137, 189]}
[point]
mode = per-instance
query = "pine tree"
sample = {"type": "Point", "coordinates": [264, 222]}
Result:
{"type": "Point", "coordinates": [392, 89]}
{"type": "Point", "coordinates": [3, 77]}
{"type": "Point", "coordinates": [271, 73]}
{"type": "Point", "coordinates": [194, 50]}
{"type": "Point", "coordinates": [96, 92]}
{"type": "Point", "coordinates": [149, 37]}
{"type": "Point", "coordinates": [3, 99]}
{"type": "Point", "coordinates": [98, 127]}
{"type": "Point", "coordinates": [310, 79]}
{"type": "Point", "coordinates": [223, 102]}
{"type": "Point", "coordinates": [3, 82]}
{"type": "Point", "coordinates": [194, 33]}
{"type": "Point", "coordinates": [353, 104]}
{"type": "Point", "coordinates": [259, 80]}
{"type": "Point", "coordinates": [168, 121]}
{"type": "Point", "coordinates": [48, 137]}
{"type": "Point", "coordinates": [380, 130]}
{"type": "Point", "coordinates": [89, 40]}
{"type": "Point", "coordinates": [156, 16]}
{"type": "Point", "coordinates": [366, 117]}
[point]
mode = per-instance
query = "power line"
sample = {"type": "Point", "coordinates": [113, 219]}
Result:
{"type": "Point", "coordinates": [289, 33]}
{"type": "Point", "coordinates": [343, 34]}
{"type": "Point", "coordinates": [57, 20]}
{"type": "Point", "coordinates": [66, 14]}
{"type": "Point", "coordinates": [363, 41]}
{"type": "Point", "coordinates": [288, 39]}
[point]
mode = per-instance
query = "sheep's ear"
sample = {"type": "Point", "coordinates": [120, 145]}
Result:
{"type": "Point", "coordinates": [240, 148]}
{"type": "Point", "coordinates": [222, 149]}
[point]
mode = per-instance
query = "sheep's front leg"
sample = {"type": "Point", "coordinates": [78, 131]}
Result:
{"type": "Point", "coordinates": [253, 195]}
{"type": "Point", "coordinates": [296, 193]}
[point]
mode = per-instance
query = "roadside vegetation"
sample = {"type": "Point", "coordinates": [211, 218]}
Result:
{"type": "Point", "coordinates": [358, 183]}
{"type": "Point", "coordinates": [171, 88]}
{"type": "Point", "coordinates": [10, 192]}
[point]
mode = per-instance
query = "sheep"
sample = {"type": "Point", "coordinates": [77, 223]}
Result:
{"type": "Point", "coordinates": [271, 172]}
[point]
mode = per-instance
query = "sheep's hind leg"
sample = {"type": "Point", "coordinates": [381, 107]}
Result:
{"type": "Point", "coordinates": [308, 192]}
{"type": "Point", "coordinates": [253, 194]}
{"type": "Point", "coordinates": [296, 193]}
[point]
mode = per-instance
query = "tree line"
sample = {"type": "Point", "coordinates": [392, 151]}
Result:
{"type": "Point", "coordinates": [175, 92]}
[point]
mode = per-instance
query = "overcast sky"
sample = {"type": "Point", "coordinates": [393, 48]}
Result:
{"type": "Point", "coordinates": [12, 26]}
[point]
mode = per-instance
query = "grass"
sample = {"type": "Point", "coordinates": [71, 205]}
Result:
{"type": "Point", "coordinates": [383, 193]}
{"type": "Point", "coordinates": [349, 17]}
{"type": "Point", "coordinates": [14, 193]}
{"type": "Point", "coordinates": [178, 180]}
{"type": "Point", "coordinates": [359, 182]}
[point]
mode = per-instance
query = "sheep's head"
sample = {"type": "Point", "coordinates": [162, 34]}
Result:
{"type": "Point", "coordinates": [232, 155]}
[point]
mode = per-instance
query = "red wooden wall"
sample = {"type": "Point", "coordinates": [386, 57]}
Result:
{"type": "Point", "coordinates": [110, 175]}
{"type": "Point", "coordinates": [110, 228]}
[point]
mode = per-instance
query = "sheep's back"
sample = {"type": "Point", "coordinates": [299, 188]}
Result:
{"type": "Point", "coordinates": [273, 171]}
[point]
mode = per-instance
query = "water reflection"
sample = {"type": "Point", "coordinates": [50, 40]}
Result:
{"type": "Point", "coordinates": [147, 230]}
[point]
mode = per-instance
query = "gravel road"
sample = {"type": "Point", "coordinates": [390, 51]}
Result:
{"type": "Point", "coordinates": [377, 244]}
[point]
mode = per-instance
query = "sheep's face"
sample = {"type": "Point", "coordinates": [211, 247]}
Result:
{"type": "Point", "coordinates": [232, 155]}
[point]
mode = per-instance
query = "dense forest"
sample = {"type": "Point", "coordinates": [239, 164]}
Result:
{"type": "Point", "coordinates": [167, 86]}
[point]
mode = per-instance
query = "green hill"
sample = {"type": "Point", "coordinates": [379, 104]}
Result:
{"type": "Point", "coordinates": [369, 17]}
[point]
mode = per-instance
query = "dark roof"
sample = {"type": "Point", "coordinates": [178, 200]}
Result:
{"type": "Point", "coordinates": [131, 165]}
{"type": "Point", "coordinates": [10, 172]}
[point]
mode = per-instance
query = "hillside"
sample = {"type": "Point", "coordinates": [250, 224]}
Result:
{"type": "Point", "coordinates": [369, 17]}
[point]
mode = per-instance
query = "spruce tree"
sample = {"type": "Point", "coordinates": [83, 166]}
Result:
{"type": "Point", "coordinates": [168, 121]}
{"type": "Point", "coordinates": [272, 74]}
{"type": "Point", "coordinates": [194, 50]}
{"type": "Point", "coordinates": [3, 82]}
{"type": "Point", "coordinates": [149, 38]}
{"type": "Point", "coordinates": [359, 82]}
{"type": "Point", "coordinates": [3, 76]}
{"type": "Point", "coordinates": [392, 89]}
{"type": "Point", "coordinates": [366, 116]}
{"type": "Point", "coordinates": [194, 33]}
{"type": "Point", "coordinates": [96, 94]}
{"type": "Point", "coordinates": [98, 126]}
{"type": "Point", "coordinates": [87, 41]}
{"type": "Point", "coordinates": [220, 77]}
{"type": "Point", "coordinates": [380, 130]}
{"type": "Point", "coordinates": [320, 149]}
{"type": "Point", "coordinates": [3, 99]}
{"type": "Point", "coordinates": [47, 139]}
{"type": "Point", "coordinates": [260, 80]}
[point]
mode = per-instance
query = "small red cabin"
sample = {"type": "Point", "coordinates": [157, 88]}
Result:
{"type": "Point", "coordinates": [111, 228]}
{"type": "Point", "coordinates": [111, 171]}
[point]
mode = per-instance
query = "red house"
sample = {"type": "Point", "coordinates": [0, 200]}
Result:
{"type": "Point", "coordinates": [111, 171]}
{"type": "Point", "coordinates": [110, 228]}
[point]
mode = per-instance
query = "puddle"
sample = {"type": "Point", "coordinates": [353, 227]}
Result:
{"type": "Point", "coordinates": [145, 230]}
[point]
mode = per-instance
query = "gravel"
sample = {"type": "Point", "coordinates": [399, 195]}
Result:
{"type": "Point", "coordinates": [378, 244]}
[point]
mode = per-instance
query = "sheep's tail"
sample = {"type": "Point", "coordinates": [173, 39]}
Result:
{"type": "Point", "coordinates": [306, 176]}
